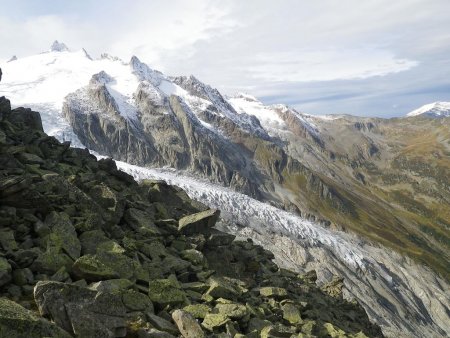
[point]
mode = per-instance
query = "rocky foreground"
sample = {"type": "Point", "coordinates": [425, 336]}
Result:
{"type": "Point", "coordinates": [86, 251]}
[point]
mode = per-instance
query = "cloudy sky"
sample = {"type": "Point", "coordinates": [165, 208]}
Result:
{"type": "Point", "coordinates": [373, 57]}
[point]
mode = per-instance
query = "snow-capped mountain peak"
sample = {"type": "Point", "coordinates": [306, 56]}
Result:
{"type": "Point", "coordinates": [435, 109]}
{"type": "Point", "coordinates": [58, 47]}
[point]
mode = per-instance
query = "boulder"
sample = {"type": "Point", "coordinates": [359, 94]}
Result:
{"type": "Point", "coordinates": [200, 222]}
{"type": "Point", "coordinates": [275, 292]}
{"type": "Point", "coordinates": [187, 325]}
{"type": "Point", "coordinates": [162, 324]}
{"type": "Point", "coordinates": [198, 311]}
{"type": "Point", "coordinates": [165, 292]}
{"type": "Point", "coordinates": [63, 235]}
{"type": "Point", "coordinates": [291, 313]}
{"type": "Point", "coordinates": [80, 311]}
{"type": "Point", "coordinates": [232, 310]}
{"type": "Point", "coordinates": [138, 219]}
{"type": "Point", "coordinates": [18, 322]}
{"type": "Point", "coordinates": [88, 267]}
{"type": "Point", "coordinates": [136, 301]}
{"type": "Point", "coordinates": [224, 287]}
{"type": "Point", "coordinates": [50, 262]}
{"type": "Point", "coordinates": [213, 321]}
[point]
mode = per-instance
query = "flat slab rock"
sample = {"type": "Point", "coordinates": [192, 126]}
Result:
{"type": "Point", "coordinates": [80, 311]}
{"type": "Point", "coordinates": [198, 223]}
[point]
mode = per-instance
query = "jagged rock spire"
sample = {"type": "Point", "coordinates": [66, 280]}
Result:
{"type": "Point", "coordinates": [58, 47]}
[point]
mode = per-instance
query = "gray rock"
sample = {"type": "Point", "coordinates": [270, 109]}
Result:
{"type": "Point", "coordinates": [187, 325]}
{"type": "Point", "coordinates": [80, 311]}
{"type": "Point", "coordinates": [63, 235]}
{"type": "Point", "coordinates": [18, 322]}
{"type": "Point", "coordinates": [200, 222]}
{"type": "Point", "coordinates": [161, 324]}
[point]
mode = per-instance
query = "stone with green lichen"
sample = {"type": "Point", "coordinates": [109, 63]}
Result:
{"type": "Point", "coordinates": [18, 322]}
{"type": "Point", "coordinates": [172, 263]}
{"type": "Point", "coordinates": [198, 311]}
{"type": "Point", "coordinates": [88, 267]}
{"type": "Point", "coordinates": [195, 286]}
{"type": "Point", "coordinates": [124, 266]}
{"type": "Point", "coordinates": [233, 311]}
{"type": "Point", "coordinates": [329, 330]}
{"type": "Point", "coordinates": [257, 324]}
{"type": "Point", "coordinates": [165, 292]}
{"type": "Point", "coordinates": [200, 222]}
{"type": "Point", "coordinates": [63, 235]}
{"type": "Point", "coordinates": [110, 246]}
{"type": "Point", "coordinates": [308, 326]}
{"type": "Point", "coordinates": [51, 261]}
{"type": "Point", "coordinates": [193, 256]}
{"type": "Point", "coordinates": [277, 331]}
{"type": "Point", "coordinates": [138, 219]}
{"type": "Point", "coordinates": [225, 287]}
{"type": "Point", "coordinates": [276, 292]}
{"type": "Point", "coordinates": [291, 313]}
{"type": "Point", "coordinates": [90, 240]}
{"type": "Point", "coordinates": [214, 320]}
{"type": "Point", "coordinates": [136, 301]}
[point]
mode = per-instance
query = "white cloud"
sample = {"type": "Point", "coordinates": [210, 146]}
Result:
{"type": "Point", "coordinates": [327, 65]}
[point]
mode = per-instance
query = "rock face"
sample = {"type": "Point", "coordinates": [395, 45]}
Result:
{"type": "Point", "coordinates": [103, 256]}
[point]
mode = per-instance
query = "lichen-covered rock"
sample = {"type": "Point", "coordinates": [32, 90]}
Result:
{"type": "Point", "coordinates": [198, 311]}
{"type": "Point", "coordinates": [138, 219]}
{"type": "Point", "coordinates": [200, 222]}
{"type": "Point", "coordinates": [225, 287]}
{"type": "Point", "coordinates": [213, 321]}
{"type": "Point", "coordinates": [276, 292]}
{"type": "Point", "coordinates": [166, 292]}
{"type": "Point", "coordinates": [18, 322]}
{"type": "Point", "coordinates": [232, 310]}
{"type": "Point", "coordinates": [80, 311]}
{"type": "Point", "coordinates": [136, 301]}
{"type": "Point", "coordinates": [187, 325]}
{"type": "Point", "coordinates": [51, 261]}
{"type": "Point", "coordinates": [291, 313]}
{"type": "Point", "coordinates": [90, 268]}
{"type": "Point", "coordinates": [62, 236]}
{"type": "Point", "coordinates": [329, 330]}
